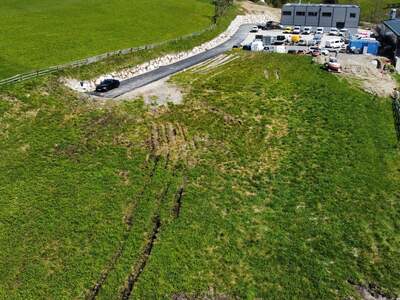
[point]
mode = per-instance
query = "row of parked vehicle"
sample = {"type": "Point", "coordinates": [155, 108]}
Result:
{"type": "Point", "coordinates": [306, 30]}
{"type": "Point", "coordinates": [320, 30]}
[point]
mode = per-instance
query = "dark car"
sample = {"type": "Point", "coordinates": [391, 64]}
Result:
{"type": "Point", "coordinates": [280, 40]}
{"type": "Point", "coordinates": [272, 25]}
{"type": "Point", "coordinates": [107, 85]}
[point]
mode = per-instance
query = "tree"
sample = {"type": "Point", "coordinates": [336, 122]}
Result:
{"type": "Point", "coordinates": [220, 8]}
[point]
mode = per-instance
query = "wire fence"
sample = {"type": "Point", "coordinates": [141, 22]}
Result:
{"type": "Point", "coordinates": [396, 116]}
{"type": "Point", "coordinates": [97, 58]}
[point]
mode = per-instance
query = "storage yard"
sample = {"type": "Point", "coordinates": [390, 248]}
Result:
{"type": "Point", "coordinates": [352, 52]}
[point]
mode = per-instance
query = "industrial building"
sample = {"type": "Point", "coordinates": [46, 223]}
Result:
{"type": "Point", "coordinates": [321, 15]}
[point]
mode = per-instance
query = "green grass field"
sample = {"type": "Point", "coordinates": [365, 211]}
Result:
{"type": "Point", "coordinates": [256, 187]}
{"type": "Point", "coordinates": [41, 33]}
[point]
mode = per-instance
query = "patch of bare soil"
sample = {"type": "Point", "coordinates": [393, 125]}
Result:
{"type": "Point", "coordinates": [171, 141]}
{"type": "Point", "coordinates": [158, 93]}
{"type": "Point", "coordinates": [371, 292]}
{"type": "Point", "coordinates": [369, 72]}
{"type": "Point", "coordinates": [261, 9]}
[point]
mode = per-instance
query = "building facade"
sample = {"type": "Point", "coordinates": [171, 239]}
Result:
{"type": "Point", "coordinates": [321, 15]}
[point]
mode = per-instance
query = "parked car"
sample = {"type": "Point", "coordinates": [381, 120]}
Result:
{"type": "Point", "coordinates": [306, 42]}
{"type": "Point", "coordinates": [296, 30]}
{"type": "Point", "coordinates": [318, 36]}
{"type": "Point", "coordinates": [320, 30]}
{"type": "Point", "coordinates": [254, 29]}
{"type": "Point", "coordinates": [344, 32]}
{"type": "Point", "coordinates": [288, 30]}
{"type": "Point", "coordinates": [280, 40]}
{"type": "Point", "coordinates": [325, 52]}
{"type": "Point", "coordinates": [246, 47]}
{"type": "Point", "coordinates": [272, 25]}
{"type": "Point", "coordinates": [107, 85]}
{"type": "Point", "coordinates": [307, 30]}
{"type": "Point", "coordinates": [257, 46]}
{"type": "Point", "coordinates": [315, 52]}
{"type": "Point", "coordinates": [333, 65]}
{"type": "Point", "coordinates": [334, 31]}
{"type": "Point", "coordinates": [335, 44]}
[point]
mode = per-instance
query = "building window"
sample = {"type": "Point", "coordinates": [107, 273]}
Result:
{"type": "Point", "coordinates": [300, 13]}
{"type": "Point", "coordinates": [353, 15]}
{"type": "Point", "coordinates": [287, 13]}
{"type": "Point", "coordinates": [312, 14]}
{"type": "Point", "coordinates": [327, 14]}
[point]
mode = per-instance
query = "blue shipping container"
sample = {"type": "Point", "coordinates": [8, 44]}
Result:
{"type": "Point", "coordinates": [373, 45]}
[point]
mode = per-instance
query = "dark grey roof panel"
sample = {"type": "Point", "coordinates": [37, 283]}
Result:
{"type": "Point", "coordinates": [393, 25]}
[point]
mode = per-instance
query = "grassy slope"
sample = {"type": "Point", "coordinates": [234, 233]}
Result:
{"type": "Point", "coordinates": [41, 33]}
{"type": "Point", "coordinates": [291, 189]}
{"type": "Point", "coordinates": [294, 202]}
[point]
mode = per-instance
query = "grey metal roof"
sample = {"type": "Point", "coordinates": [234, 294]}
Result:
{"type": "Point", "coordinates": [393, 25]}
{"type": "Point", "coordinates": [319, 5]}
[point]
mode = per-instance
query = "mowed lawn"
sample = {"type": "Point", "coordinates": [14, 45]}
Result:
{"type": "Point", "coordinates": [40, 33]}
{"type": "Point", "coordinates": [273, 180]}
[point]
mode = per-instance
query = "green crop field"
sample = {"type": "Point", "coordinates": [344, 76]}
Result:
{"type": "Point", "coordinates": [41, 33]}
{"type": "Point", "coordinates": [271, 181]}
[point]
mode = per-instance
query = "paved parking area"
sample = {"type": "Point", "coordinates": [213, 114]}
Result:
{"type": "Point", "coordinates": [251, 37]}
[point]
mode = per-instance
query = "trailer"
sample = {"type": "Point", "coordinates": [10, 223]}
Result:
{"type": "Point", "coordinates": [370, 46]}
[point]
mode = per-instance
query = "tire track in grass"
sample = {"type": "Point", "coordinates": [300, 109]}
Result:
{"type": "Point", "coordinates": [94, 291]}
{"type": "Point", "coordinates": [157, 138]}
{"type": "Point", "coordinates": [178, 199]}
{"type": "Point", "coordinates": [157, 224]}
{"type": "Point", "coordinates": [142, 262]}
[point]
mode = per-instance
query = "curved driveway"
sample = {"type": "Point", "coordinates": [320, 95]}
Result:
{"type": "Point", "coordinates": [164, 71]}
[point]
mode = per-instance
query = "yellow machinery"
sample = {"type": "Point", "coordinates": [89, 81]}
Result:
{"type": "Point", "coordinates": [295, 38]}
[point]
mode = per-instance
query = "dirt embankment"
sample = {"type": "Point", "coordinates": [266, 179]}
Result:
{"type": "Point", "coordinates": [368, 70]}
{"type": "Point", "coordinates": [261, 9]}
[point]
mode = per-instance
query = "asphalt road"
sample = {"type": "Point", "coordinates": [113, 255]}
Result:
{"type": "Point", "coordinates": [162, 72]}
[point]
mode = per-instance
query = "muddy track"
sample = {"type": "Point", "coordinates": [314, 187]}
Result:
{"type": "Point", "coordinates": [178, 199]}
{"type": "Point", "coordinates": [94, 291]}
{"type": "Point", "coordinates": [141, 264]}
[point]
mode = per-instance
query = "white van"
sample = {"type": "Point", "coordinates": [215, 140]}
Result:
{"type": "Point", "coordinates": [336, 44]}
{"type": "Point", "coordinates": [257, 46]}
